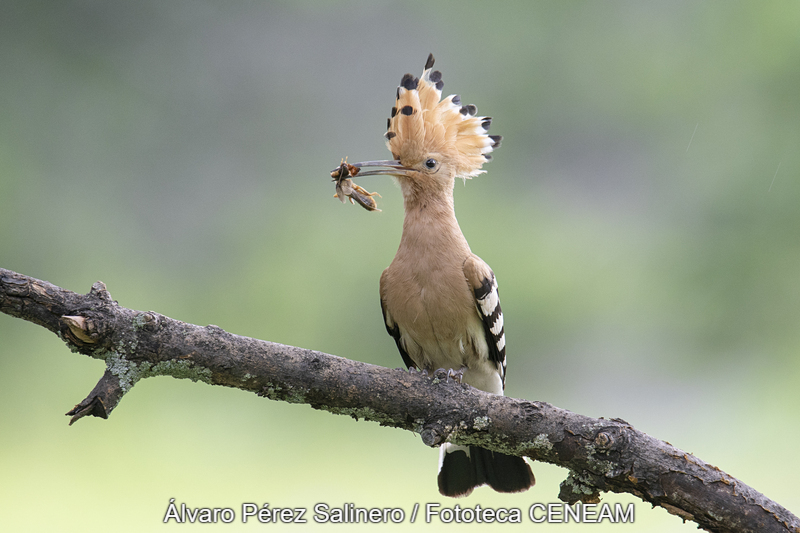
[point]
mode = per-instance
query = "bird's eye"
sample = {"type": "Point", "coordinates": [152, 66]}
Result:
{"type": "Point", "coordinates": [430, 163]}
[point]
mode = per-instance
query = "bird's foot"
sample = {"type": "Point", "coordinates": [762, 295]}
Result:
{"type": "Point", "coordinates": [449, 374]}
{"type": "Point", "coordinates": [456, 375]}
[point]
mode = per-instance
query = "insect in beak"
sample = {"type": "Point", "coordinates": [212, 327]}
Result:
{"type": "Point", "coordinates": [346, 188]}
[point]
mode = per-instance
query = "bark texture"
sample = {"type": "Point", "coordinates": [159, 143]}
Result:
{"type": "Point", "coordinates": [601, 455]}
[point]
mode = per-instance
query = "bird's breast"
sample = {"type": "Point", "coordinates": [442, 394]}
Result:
{"type": "Point", "coordinates": [435, 312]}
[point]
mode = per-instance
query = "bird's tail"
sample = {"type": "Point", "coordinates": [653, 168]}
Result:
{"type": "Point", "coordinates": [462, 468]}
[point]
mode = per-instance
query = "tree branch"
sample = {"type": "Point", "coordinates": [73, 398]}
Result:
{"type": "Point", "coordinates": [601, 455]}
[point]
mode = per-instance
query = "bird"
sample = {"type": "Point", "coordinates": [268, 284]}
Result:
{"type": "Point", "coordinates": [439, 300]}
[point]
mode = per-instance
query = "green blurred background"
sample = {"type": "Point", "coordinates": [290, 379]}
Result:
{"type": "Point", "coordinates": [641, 216]}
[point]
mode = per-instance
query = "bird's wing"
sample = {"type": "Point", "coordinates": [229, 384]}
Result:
{"type": "Point", "coordinates": [487, 301]}
{"type": "Point", "coordinates": [392, 328]}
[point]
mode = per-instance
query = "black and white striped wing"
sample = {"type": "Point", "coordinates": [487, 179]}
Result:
{"type": "Point", "coordinates": [487, 302]}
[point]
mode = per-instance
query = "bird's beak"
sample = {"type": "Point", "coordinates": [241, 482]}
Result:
{"type": "Point", "coordinates": [393, 168]}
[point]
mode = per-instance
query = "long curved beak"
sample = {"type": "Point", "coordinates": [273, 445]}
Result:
{"type": "Point", "coordinates": [393, 168]}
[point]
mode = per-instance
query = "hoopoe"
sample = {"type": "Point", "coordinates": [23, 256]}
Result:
{"type": "Point", "coordinates": [439, 300]}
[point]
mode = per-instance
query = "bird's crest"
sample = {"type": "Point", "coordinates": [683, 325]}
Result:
{"type": "Point", "coordinates": [421, 124]}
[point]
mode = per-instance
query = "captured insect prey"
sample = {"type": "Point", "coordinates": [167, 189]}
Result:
{"type": "Point", "coordinates": [345, 188]}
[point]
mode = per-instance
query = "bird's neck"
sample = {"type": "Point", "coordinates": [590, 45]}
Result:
{"type": "Point", "coordinates": [430, 223]}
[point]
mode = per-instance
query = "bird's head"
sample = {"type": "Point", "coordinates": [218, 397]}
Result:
{"type": "Point", "coordinates": [433, 141]}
